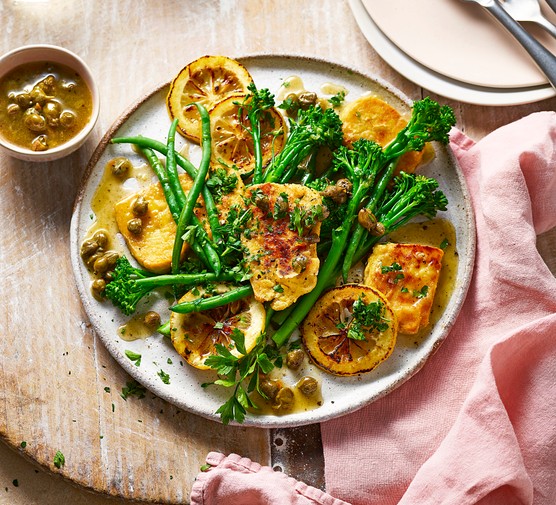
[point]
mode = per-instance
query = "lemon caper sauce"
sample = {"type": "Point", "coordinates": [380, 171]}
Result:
{"type": "Point", "coordinates": [43, 105]}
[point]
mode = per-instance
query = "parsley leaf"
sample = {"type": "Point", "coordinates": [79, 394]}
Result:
{"type": "Point", "coordinates": [367, 317]}
{"type": "Point", "coordinates": [133, 356]}
{"type": "Point", "coordinates": [133, 388]}
{"type": "Point", "coordinates": [59, 459]}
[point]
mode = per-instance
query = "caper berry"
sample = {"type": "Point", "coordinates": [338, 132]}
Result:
{"type": "Point", "coordinates": [101, 238]}
{"type": "Point", "coordinates": [284, 399]}
{"type": "Point", "coordinates": [294, 359]}
{"type": "Point", "coordinates": [307, 385]}
{"type": "Point", "coordinates": [140, 206]}
{"type": "Point", "coordinates": [135, 226]}
{"type": "Point", "coordinates": [152, 319]}
{"type": "Point", "coordinates": [120, 166]}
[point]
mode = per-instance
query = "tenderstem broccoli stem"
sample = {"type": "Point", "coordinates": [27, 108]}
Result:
{"type": "Point", "coordinates": [191, 199]}
{"type": "Point", "coordinates": [360, 231]}
{"type": "Point", "coordinates": [213, 302]}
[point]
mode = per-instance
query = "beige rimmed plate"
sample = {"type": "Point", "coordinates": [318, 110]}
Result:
{"type": "Point", "coordinates": [340, 395]}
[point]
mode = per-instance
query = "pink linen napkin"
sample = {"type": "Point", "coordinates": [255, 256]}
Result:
{"type": "Point", "coordinates": [477, 425]}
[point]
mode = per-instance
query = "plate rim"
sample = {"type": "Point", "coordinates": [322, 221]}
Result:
{"type": "Point", "coordinates": [286, 421]}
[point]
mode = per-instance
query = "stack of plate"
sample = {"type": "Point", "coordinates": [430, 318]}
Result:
{"type": "Point", "coordinates": [455, 49]}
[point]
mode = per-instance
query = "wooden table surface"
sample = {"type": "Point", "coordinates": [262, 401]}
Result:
{"type": "Point", "coordinates": [59, 387]}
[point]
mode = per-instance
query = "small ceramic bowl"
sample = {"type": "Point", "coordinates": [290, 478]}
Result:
{"type": "Point", "coordinates": [59, 55]}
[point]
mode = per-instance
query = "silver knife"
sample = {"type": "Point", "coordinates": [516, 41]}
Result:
{"type": "Point", "coordinates": [544, 59]}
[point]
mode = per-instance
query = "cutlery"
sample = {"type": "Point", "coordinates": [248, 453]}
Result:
{"type": "Point", "coordinates": [530, 11]}
{"type": "Point", "coordinates": [544, 59]}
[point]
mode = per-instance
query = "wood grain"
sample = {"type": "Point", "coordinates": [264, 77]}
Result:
{"type": "Point", "coordinates": [59, 388]}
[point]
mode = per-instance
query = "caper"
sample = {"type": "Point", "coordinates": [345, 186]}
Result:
{"type": "Point", "coordinates": [47, 84]}
{"type": "Point", "coordinates": [101, 238]}
{"type": "Point", "coordinates": [51, 110]}
{"type": "Point", "coordinates": [67, 119]}
{"type": "Point", "coordinates": [13, 108]}
{"type": "Point", "coordinates": [120, 166]}
{"type": "Point", "coordinates": [89, 247]}
{"type": "Point", "coordinates": [34, 121]}
{"type": "Point", "coordinates": [100, 265]}
{"type": "Point", "coordinates": [140, 206]}
{"type": "Point", "coordinates": [98, 286]}
{"type": "Point", "coordinates": [135, 226]}
{"type": "Point", "coordinates": [292, 99]}
{"type": "Point", "coordinates": [307, 385]}
{"type": "Point", "coordinates": [269, 388]}
{"type": "Point", "coordinates": [261, 201]}
{"type": "Point", "coordinates": [284, 399]}
{"type": "Point", "coordinates": [39, 143]}
{"type": "Point", "coordinates": [299, 263]}
{"type": "Point", "coordinates": [111, 258]}
{"type": "Point", "coordinates": [368, 221]}
{"type": "Point", "coordinates": [294, 359]}
{"type": "Point", "coordinates": [38, 95]}
{"type": "Point", "coordinates": [306, 99]}
{"type": "Point", "coordinates": [90, 261]}
{"type": "Point", "coordinates": [108, 276]}
{"type": "Point", "coordinates": [23, 100]}
{"type": "Point", "coordinates": [281, 206]}
{"type": "Point", "coordinates": [152, 319]}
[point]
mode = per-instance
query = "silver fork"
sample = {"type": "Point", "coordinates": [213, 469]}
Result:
{"type": "Point", "coordinates": [544, 59]}
{"type": "Point", "coordinates": [528, 11]}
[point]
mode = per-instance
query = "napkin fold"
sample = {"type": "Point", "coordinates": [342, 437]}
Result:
{"type": "Point", "coordinates": [477, 425]}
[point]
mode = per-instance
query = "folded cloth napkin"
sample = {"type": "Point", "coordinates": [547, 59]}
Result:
{"type": "Point", "coordinates": [477, 425]}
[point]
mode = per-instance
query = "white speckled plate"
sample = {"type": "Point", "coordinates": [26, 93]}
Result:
{"type": "Point", "coordinates": [340, 395]}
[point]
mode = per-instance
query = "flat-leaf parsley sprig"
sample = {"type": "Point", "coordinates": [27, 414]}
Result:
{"type": "Point", "coordinates": [241, 374]}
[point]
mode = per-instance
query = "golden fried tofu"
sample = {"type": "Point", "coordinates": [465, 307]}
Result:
{"type": "Point", "coordinates": [281, 241]}
{"type": "Point", "coordinates": [371, 118]}
{"type": "Point", "coordinates": [407, 274]}
{"type": "Point", "coordinates": [152, 245]}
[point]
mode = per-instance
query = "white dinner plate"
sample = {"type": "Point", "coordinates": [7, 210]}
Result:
{"type": "Point", "coordinates": [341, 395]}
{"type": "Point", "coordinates": [437, 82]}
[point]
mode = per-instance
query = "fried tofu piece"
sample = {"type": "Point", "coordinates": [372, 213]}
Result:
{"type": "Point", "coordinates": [371, 118]}
{"type": "Point", "coordinates": [152, 247]}
{"type": "Point", "coordinates": [407, 274]}
{"type": "Point", "coordinates": [281, 241]}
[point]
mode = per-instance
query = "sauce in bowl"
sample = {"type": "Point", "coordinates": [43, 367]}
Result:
{"type": "Point", "coordinates": [43, 105]}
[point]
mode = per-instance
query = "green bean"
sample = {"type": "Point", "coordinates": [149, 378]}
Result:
{"type": "Point", "coordinates": [210, 205]}
{"type": "Point", "coordinates": [213, 302]}
{"type": "Point", "coordinates": [163, 179]}
{"type": "Point", "coordinates": [164, 329]}
{"type": "Point", "coordinates": [194, 192]}
{"type": "Point", "coordinates": [171, 166]}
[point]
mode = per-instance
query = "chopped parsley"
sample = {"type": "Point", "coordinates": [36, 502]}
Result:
{"type": "Point", "coordinates": [133, 356]}
{"type": "Point", "coordinates": [278, 288]}
{"type": "Point", "coordinates": [422, 293]}
{"type": "Point", "coordinates": [444, 244]}
{"type": "Point", "coordinates": [133, 388]}
{"type": "Point", "coordinates": [337, 99]}
{"type": "Point", "coordinates": [221, 183]}
{"type": "Point", "coordinates": [59, 459]}
{"type": "Point", "coordinates": [164, 377]}
{"type": "Point", "coordinates": [366, 317]}
{"type": "Point", "coordinates": [302, 220]}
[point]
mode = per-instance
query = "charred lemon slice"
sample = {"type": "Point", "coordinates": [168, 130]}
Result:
{"type": "Point", "coordinates": [232, 144]}
{"type": "Point", "coordinates": [206, 80]}
{"type": "Point", "coordinates": [195, 335]}
{"type": "Point", "coordinates": [350, 330]}
{"type": "Point", "coordinates": [371, 118]}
